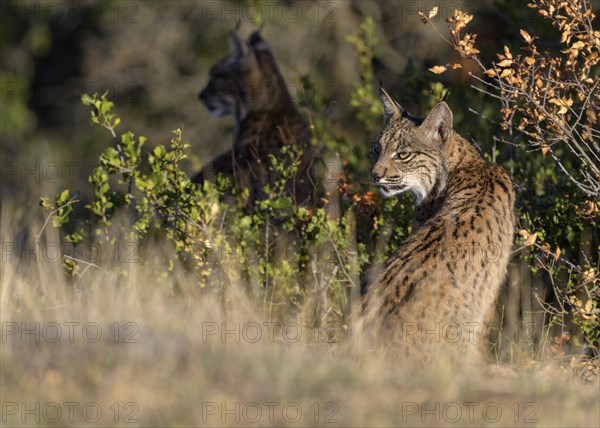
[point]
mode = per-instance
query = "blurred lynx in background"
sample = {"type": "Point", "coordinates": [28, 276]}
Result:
{"type": "Point", "coordinates": [435, 290]}
{"type": "Point", "coordinates": [247, 84]}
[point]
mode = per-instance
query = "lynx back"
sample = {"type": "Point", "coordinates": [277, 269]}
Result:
{"type": "Point", "coordinates": [436, 288]}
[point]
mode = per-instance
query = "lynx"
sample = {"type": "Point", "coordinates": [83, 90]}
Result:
{"type": "Point", "coordinates": [248, 85]}
{"type": "Point", "coordinates": [433, 293]}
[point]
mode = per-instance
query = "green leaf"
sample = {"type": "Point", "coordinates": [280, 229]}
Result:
{"type": "Point", "coordinates": [74, 238]}
{"type": "Point", "coordinates": [63, 198]}
{"type": "Point", "coordinates": [46, 203]}
{"type": "Point", "coordinates": [87, 100]}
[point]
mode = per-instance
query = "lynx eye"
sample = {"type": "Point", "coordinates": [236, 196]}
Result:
{"type": "Point", "coordinates": [402, 155]}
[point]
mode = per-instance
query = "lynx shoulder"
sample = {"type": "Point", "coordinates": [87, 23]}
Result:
{"type": "Point", "coordinates": [248, 85]}
{"type": "Point", "coordinates": [446, 275]}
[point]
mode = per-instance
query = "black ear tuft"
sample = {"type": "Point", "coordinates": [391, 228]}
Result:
{"type": "Point", "coordinates": [259, 44]}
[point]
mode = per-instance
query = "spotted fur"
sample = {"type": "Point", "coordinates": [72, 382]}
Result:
{"type": "Point", "coordinates": [449, 271]}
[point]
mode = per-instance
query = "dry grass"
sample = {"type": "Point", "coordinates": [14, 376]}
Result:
{"type": "Point", "coordinates": [172, 371]}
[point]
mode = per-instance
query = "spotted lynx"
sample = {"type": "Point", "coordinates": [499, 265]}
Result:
{"type": "Point", "coordinates": [436, 289]}
{"type": "Point", "coordinates": [248, 85]}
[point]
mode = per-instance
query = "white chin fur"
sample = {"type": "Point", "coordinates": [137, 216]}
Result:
{"type": "Point", "coordinates": [416, 188]}
{"type": "Point", "coordinates": [418, 197]}
{"type": "Point", "coordinates": [388, 193]}
{"type": "Point", "coordinates": [419, 192]}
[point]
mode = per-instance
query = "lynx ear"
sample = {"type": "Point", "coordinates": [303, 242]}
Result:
{"type": "Point", "coordinates": [237, 46]}
{"type": "Point", "coordinates": [438, 124]}
{"type": "Point", "coordinates": [390, 107]}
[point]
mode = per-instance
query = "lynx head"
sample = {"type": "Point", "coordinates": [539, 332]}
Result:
{"type": "Point", "coordinates": [245, 81]}
{"type": "Point", "coordinates": [409, 155]}
{"type": "Point", "coordinates": [221, 94]}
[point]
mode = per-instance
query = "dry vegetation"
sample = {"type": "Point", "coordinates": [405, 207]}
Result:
{"type": "Point", "coordinates": [167, 363]}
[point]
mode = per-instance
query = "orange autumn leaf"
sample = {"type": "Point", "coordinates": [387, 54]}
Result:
{"type": "Point", "coordinates": [526, 36]}
{"type": "Point", "coordinates": [529, 238]}
{"type": "Point", "coordinates": [438, 69]}
{"type": "Point", "coordinates": [545, 149]}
